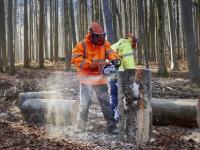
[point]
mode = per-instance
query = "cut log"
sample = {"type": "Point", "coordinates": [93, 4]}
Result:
{"type": "Point", "coordinates": [37, 95]}
{"type": "Point", "coordinates": [55, 111]}
{"type": "Point", "coordinates": [181, 112]}
{"type": "Point", "coordinates": [134, 94]}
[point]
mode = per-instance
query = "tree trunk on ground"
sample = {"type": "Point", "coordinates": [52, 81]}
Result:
{"type": "Point", "coordinates": [193, 64]}
{"type": "Point", "coordinates": [53, 111]}
{"type": "Point", "coordinates": [36, 95]}
{"type": "Point", "coordinates": [181, 112]}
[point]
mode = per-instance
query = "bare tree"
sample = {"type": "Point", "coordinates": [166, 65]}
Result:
{"type": "Point", "coordinates": [51, 30]}
{"type": "Point", "coordinates": [108, 20]}
{"type": "Point", "coordinates": [152, 30]}
{"type": "Point", "coordinates": [66, 30]}
{"type": "Point", "coordinates": [162, 69]}
{"type": "Point", "coordinates": [56, 31]}
{"type": "Point", "coordinates": [126, 16]}
{"type": "Point", "coordinates": [3, 60]}
{"type": "Point", "coordinates": [186, 14]}
{"type": "Point", "coordinates": [114, 11]}
{"type": "Point", "coordinates": [26, 47]}
{"type": "Point", "coordinates": [173, 36]}
{"type": "Point", "coordinates": [178, 30]}
{"type": "Point", "coordinates": [41, 35]}
{"type": "Point", "coordinates": [73, 23]}
{"type": "Point", "coordinates": [11, 59]}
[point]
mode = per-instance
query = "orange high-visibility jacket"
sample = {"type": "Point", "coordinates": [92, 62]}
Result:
{"type": "Point", "coordinates": [86, 53]}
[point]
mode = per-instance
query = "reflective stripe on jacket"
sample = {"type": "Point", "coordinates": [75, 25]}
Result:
{"type": "Point", "coordinates": [124, 49]}
{"type": "Point", "coordinates": [86, 53]}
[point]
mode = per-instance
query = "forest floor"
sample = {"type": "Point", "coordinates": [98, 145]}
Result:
{"type": "Point", "coordinates": [15, 133]}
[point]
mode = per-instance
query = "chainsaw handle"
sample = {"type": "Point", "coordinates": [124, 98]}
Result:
{"type": "Point", "coordinates": [116, 63]}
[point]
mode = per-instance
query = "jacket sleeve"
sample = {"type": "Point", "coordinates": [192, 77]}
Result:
{"type": "Point", "coordinates": [78, 57]}
{"type": "Point", "coordinates": [110, 53]}
{"type": "Point", "coordinates": [127, 58]}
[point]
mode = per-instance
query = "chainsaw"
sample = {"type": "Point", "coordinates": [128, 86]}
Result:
{"type": "Point", "coordinates": [111, 67]}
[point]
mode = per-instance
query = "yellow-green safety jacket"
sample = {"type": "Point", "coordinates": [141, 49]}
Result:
{"type": "Point", "coordinates": [124, 49]}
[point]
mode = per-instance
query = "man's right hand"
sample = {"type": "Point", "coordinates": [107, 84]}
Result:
{"type": "Point", "coordinates": [93, 67]}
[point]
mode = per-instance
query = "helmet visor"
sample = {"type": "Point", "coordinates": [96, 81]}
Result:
{"type": "Point", "coordinates": [98, 38]}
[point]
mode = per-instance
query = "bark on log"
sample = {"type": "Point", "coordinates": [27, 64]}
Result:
{"type": "Point", "coordinates": [55, 111]}
{"type": "Point", "coordinates": [135, 122]}
{"type": "Point", "coordinates": [181, 112]}
{"type": "Point", "coordinates": [37, 95]}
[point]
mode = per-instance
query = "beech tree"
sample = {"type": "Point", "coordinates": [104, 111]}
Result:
{"type": "Point", "coordinates": [193, 65]}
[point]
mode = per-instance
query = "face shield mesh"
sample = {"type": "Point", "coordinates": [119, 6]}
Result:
{"type": "Point", "coordinates": [98, 38]}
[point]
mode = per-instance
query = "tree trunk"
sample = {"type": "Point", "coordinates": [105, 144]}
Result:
{"type": "Point", "coordinates": [41, 35]}
{"type": "Point", "coordinates": [181, 112]}
{"type": "Point", "coordinates": [126, 17]}
{"type": "Point", "coordinates": [152, 30]}
{"type": "Point", "coordinates": [193, 65]}
{"type": "Point", "coordinates": [173, 37]}
{"type": "Point", "coordinates": [131, 14]}
{"type": "Point", "coordinates": [11, 57]}
{"type": "Point", "coordinates": [67, 28]}
{"type": "Point", "coordinates": [31, 55]}
{"type": "Point", "coordinates": [140, 36]}
{"type": "Point", "coordinates": [114, 12]}
{"type": "Point", "coordinates": [162, 69]}
{"type": "Point", "coordinates": [119, 20]}
{"type": "Point", "coordinates": [51, 30]}
{"type": "Point", "coordinates": [56, 31]}
{"type": "Point", "coordinates": [108, 20]}
{"type": "Point", "coordinates": [26, 47]}
{"type": "Point", "coordinates": [178, 30]}
{"type": "Point", "coordinates": [135, 120]}
{"type": "Point", "coordinates": [145, 36]}
{"type": "Point", "coordinates": [36, 95]}
{"type": "Point", "coordinates": [3, 60]}
{"type": "Point", "coordinates": [54, 111]}
{"type": "Point", "coordinates": [73, 30]}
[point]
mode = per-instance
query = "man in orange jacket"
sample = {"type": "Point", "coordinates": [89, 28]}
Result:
{"type": "Point", "coordinates": [88, 56]}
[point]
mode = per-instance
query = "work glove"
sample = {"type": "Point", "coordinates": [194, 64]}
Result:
{"type": "Point", "coordinates": [93, 67]}
{"type": "Point", "coordinates": [116, 63]}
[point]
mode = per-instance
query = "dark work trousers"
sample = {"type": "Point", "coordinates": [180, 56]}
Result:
{"type": "Point", "coordinates": [85, 102]}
